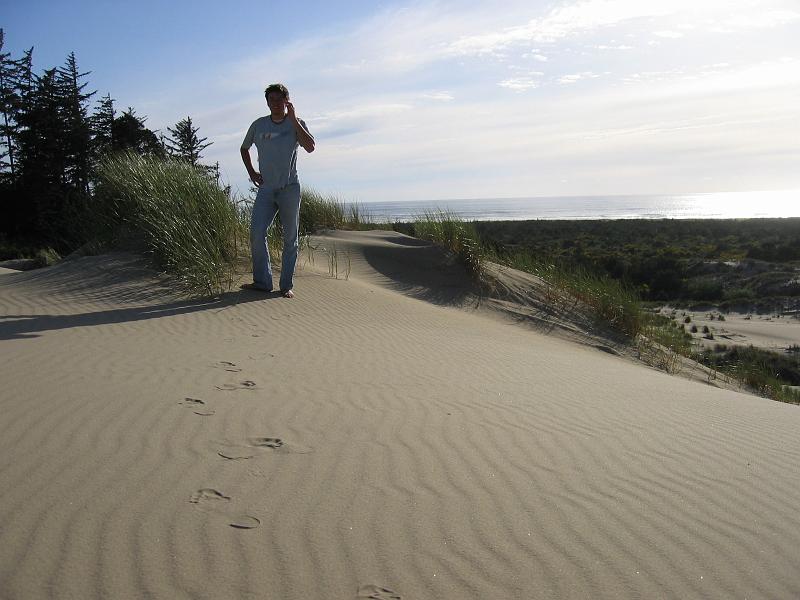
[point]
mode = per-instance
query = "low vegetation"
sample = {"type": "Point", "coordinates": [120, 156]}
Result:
{"type": "Point", "coordinates": [766, 372]}
{"type": "Point", "coordinates": [731, 263]}
{"type": "Point", "coordinates": [448, 230]}
{"type": "Point", "coordinates": [186, 222]}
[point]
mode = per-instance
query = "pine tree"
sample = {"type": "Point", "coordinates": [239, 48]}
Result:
{"type": "Point", "coordinates": [41, 157]}
{"type": "Point", "coordinates": [129, 133]}
{"type": "Point", "coordinates": [102, 127]}
{"type": "Point", "coordinates": [9, 105]}
{"type": "Point", "coordinates": [183, 142]}
{"type": "Point", "coordinates": [77, 130]}
{"type": "Point", "coordinates": [17, 86]}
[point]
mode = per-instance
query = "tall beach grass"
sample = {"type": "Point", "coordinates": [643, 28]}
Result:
{"type": "Point", "coordinates": [611, 301]}
{"type": "Point", "coordinates": [189, 225]}
{"type": "Point", "coordinates": [450, 231]}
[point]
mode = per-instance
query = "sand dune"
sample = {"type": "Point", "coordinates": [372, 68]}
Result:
{"type": "Point", "coordinates": [375, 437]}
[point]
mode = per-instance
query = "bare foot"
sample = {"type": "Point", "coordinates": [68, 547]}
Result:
{"type": "Point", "coordinates": [288, 293]}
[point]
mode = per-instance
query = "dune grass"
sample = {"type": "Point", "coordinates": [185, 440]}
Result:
{"type": "Point", "coordinates": [450, 231]}
{"type": "Point", "coordinates": [190, 226]}
{"type": "Point", "coordinates": [319, 211]}
{"type": "Point", "coordinates": [610, 300]}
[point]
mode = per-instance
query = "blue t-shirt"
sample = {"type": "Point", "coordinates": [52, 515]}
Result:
{"type": "Point", "coordinates": [277, 150]}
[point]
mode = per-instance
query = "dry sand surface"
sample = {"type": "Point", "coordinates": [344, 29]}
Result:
{"type": "Point", "coordinates": [376, 437]}
{"type": "Point", "coordinates": [772, 332]}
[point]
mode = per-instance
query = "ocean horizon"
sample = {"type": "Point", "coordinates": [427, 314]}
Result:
{"type": "Point", "coordinates": [720, 205]}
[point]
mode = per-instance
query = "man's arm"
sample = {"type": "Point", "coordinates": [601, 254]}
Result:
{"type": "Point", "coordinates": [254, 175]}
{"type": "Point", "coordinates": [305, 139]}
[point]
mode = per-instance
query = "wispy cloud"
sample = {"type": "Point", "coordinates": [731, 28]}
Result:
{"type": "Point", "coordinates": [439, 96]}
{"type": "Point", "coordinates": [574, 77]}
{"type": "Point", "coordinates": [668, 34]}
{"type": "Point", "coordinates": [396, 98]}
{"type": "Point", "coordinates": [519, 84]}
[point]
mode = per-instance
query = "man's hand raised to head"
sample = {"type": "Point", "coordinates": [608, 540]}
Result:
{"type": "Point", "coordinates": [305, 139]}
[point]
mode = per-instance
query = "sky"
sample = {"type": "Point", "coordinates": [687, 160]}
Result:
{"type": "Point", "coordinates": [458, 99]}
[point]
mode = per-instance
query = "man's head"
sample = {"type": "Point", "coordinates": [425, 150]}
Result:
{"type": "Point", "coordinates": [277, 96]}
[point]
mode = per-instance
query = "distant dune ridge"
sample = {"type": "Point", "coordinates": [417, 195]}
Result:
{"type": "Point", "coordinates": [386, 434]}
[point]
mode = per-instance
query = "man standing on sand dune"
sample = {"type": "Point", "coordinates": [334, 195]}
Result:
{"type": "Point", "coordinates": [277, 138]}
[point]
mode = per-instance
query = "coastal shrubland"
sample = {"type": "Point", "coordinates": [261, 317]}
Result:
{"type": "Point", "coordinates": [730, 263]}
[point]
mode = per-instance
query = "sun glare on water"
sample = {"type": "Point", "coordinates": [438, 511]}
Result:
{"type": "Point", "coordinates": [747, 205]}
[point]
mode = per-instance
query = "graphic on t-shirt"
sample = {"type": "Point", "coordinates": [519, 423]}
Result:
{"type": "Point", "coordinates": [270, 135]}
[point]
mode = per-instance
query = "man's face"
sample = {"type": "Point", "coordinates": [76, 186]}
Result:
{"type": "Point", "coordinates": [277, 103]}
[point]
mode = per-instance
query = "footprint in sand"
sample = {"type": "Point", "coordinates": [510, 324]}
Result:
{"type": "Point", "coordinates": [244, 522]}
{"type": "Point", "coordinates": [209, 497]}
{"type": "Point", "coordinates": [242, 385]}
{"type": "Point", "coordinates": [266, 442]}
{"type": "Point", "coordinates": [259, 446]}
{"type": "Point", "coordinates": [232, 452]}
{"type": "Point", "coordinates": [227, 366]}
{"type": "Point", "coordinates": [205, 494]}
{"type": "Point", "coordinates": [376, 592]}
{"type": "Point", "coordinates": [198, 406]}
{"type": "Point", "coordinates": [278, 445]}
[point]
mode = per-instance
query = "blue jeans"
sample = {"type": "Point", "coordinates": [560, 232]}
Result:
{"type": "Point", "coordinates": [269, 202]}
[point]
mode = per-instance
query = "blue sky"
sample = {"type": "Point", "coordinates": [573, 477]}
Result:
{"type": "Point", "coordinates": [442, 99]}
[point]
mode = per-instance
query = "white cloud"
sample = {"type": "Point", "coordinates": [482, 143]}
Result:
{"type": "Point", "coordinates": [668, 34]}
{"type": "Point", "coordinates": [520, 84]}
{"type": "Point", "coordinates": [572, 19]}
{"type": "Point", "coordinates": [574, 77]}
{"type": "Point", "coordinates": [393, 100]}
{"type": "Point", "coordinates": [440, 96]}
{"type": "Point", "coordinates": [756, 20]}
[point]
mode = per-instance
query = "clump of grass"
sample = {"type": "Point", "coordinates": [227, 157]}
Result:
{"type": "Point", "coordinates": [687, 320]}
{"type": "Point", "coordinates": [359, 218]}
{"type": "Point", "coordinates": [320, 212]}
{"type": "Point", "coordinates": [46, 257]}
{"type": "Point", "coordinates": [662, 343]}
{"type": "Point", "coordinates": [461, 238]}
{"type": "Point", "coordinates": [338, 260]}
{"type": "Point", "coordinates": [187, 222]}
{"type": "Point", "coordinates": [610, 300]}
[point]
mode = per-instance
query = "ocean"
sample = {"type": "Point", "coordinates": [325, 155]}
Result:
{"type": "Point", "coordinates": [723, 205]}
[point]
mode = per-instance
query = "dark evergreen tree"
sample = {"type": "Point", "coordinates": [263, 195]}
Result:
{"type": "Point", "coordinates": [129, 133]}
{"type": "Point", "coordinates": [18, 85]}
{"type": "Point", "coordinates": [76, 126]}
{"type": "Point", "coordinates": [102, 127]}
{"type": "Point", "coordinates": [183, 142]}
{"type": "Point", "coordinates": [9, 105]}
{"type": "Point", "coordinates": [41, 157]}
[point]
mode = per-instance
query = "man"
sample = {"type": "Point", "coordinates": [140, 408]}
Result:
{"type": "Point", "coordinates": [277, 138]}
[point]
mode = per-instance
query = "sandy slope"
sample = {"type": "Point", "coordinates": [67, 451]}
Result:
{"type": "Point", "coordinates": [369, 436]}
